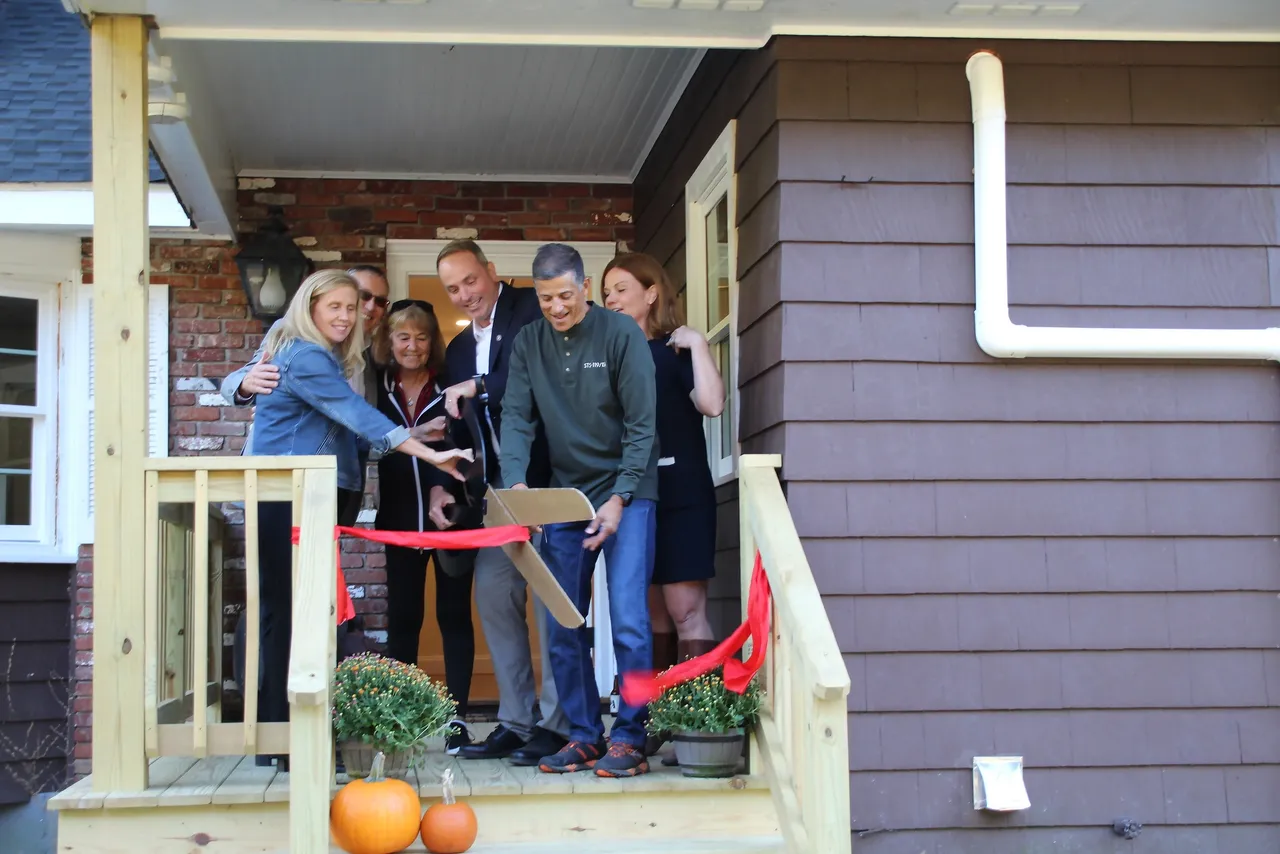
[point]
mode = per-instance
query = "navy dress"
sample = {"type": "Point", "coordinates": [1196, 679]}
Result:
{"type": "Point", "coordinates": [685, 546]}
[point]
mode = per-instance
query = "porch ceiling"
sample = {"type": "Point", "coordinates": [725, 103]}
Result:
{"type": "Point", "coordinates": [433, 110]}
{"type": "Point", "coordinates": [700, 23]}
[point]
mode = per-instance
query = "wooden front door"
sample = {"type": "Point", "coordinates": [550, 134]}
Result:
{"type": "Point", "coordinates": [484, 687]}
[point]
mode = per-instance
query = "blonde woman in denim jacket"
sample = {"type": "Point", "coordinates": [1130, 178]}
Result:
{"type": "Point", "coordinates": [318, 345]}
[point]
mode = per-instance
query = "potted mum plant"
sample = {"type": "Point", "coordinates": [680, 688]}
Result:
{"type": "Point", "coordinates": [381, 705]}
{"type": "Point", "coordinates": [707, 723]}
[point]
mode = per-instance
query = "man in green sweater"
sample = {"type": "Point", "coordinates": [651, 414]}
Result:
{"type": "Point", "coordinates": [585, 373]}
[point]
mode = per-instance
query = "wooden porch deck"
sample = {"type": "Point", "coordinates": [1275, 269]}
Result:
{"type": "Point", "coordinates": [226, 780]}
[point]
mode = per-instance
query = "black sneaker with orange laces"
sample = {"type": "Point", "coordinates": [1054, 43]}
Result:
{"type": "Point", "coordinates": [574, 756]}
{"type": "Point", "coordinates": [623, 760]}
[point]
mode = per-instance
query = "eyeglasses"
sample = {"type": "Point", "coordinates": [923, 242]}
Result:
{"type": "Point", "coordinates": [380, 302]}
{"type": "Point", "coordinates": [402, 304]}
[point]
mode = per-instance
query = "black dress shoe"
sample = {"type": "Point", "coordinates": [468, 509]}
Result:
{"type": "Point", "coordinates": [501, 742]}
{"type": "Point", "coordinates": [543, 743]}
{"type": "Point", "coordinates": [279, 760]}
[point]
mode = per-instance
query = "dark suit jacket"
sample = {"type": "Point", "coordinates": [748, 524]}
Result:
{"type": "Point", "coordinates": [517, 307]}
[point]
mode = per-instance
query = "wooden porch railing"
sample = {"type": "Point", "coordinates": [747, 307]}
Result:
{"type": "Point", "coordinates": [183, 618]}
{"type": "Point", "coordinates": [172, 688]}
{"type": "Point", "coordinates": [802, 738]}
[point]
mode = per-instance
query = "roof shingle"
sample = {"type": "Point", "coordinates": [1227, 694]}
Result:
{"type": "Point", "coordinates": [46, 126]}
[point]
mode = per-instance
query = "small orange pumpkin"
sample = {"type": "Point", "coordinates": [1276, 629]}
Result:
{"type": "Point", "coordinates": [374, 816]}
{"type": "Point", "coordinates": [448, 827]}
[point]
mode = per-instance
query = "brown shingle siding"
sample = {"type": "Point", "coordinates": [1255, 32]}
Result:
{"type": "Point", "coordinates": [36, 662]}
{"type": "Point", "coordinates": [1074, 561]}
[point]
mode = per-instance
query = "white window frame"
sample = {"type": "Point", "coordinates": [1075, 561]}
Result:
{"type": "Point", "coordinates": [44, 417]}
{"type": "Point", "coordinates": [715, 179]}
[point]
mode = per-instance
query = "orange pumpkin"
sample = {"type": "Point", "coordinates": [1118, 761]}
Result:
{"type": "Point", "coordinates": [448, 827]}
{"type": "Point", "coordinates": [374, 816]}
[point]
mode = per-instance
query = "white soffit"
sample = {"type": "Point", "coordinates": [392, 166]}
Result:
{"type": "Point", "coordinates": [422, 110]}
{"type": "Point", "coordinates": [62, 207]}
{"type": "Point", "coordinates": [697, 23]}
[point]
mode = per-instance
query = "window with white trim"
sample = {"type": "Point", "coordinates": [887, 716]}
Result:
{"type": "Point", "coordinates": [157, 383]}
{"type": "Point", "coordinates": [711, 286]}
{"type": "Point", "coordinates": [28, 412]}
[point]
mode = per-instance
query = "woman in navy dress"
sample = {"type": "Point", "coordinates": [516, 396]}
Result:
{"type": "Point", "coordinates": [689, 388]}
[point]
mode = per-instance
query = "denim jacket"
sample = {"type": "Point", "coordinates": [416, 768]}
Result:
{"type": "Point", "coordinates": [314, 411]}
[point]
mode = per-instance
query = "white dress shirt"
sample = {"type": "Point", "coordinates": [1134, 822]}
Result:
{"type": "Point", "coordinates": [484, 335]}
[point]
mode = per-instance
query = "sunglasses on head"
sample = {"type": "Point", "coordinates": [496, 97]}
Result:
{"type": "Point", "coordinates": [365, 296]}
{"type": "Point", "coordinates": [402, 304]}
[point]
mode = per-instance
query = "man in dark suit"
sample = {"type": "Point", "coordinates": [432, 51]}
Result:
{"type": "Point", "coordinates": [476, 368]}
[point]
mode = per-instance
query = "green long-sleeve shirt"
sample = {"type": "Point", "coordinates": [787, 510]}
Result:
{"type": "Point", "coordinates": [594, 391]}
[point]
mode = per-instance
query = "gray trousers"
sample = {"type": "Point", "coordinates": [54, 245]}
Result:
{"type": "Point", "coordinates": [502, 596]}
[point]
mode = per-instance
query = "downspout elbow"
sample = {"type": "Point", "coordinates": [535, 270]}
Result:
{"type": "Point", "coordinates": [986, 86]}
{"type": "Point", "coordinates": [999, 337]}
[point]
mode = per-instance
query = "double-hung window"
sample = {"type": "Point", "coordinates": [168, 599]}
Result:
{"type": "Point", "coordinates": [28, 411]}
{"type": "Point", "coordinates": [711, 289]}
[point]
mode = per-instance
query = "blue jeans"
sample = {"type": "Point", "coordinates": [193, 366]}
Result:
{"type": "Point", "coordinates": [628, 557]}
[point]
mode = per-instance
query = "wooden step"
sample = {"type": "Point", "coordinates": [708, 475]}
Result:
{"type": "Point", "coordinates": [222, 806]}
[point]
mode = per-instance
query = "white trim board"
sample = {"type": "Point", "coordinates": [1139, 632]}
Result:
{"type": "Point", "coordinates": [660, 38]}
{"type": "Point", "coordinates": [52, 206]}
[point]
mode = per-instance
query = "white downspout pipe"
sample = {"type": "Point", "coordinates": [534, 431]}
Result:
{"type": "Point", "coordinates": [999, 336]}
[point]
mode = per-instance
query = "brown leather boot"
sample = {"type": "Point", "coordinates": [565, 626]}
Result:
{"type": "Point", "coordinates": [664, 656]}
{"type": "Point", "coordinates": [685, 650]}
{"type": "Point", "coordinates": [664, 650]}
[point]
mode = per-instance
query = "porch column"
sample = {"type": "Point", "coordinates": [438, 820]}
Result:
{"type": "Point", "coordinates": [121, 272]}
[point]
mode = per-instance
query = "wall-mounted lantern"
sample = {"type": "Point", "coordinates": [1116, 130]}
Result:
{"type": "Point", "coordinates": [271, 267]}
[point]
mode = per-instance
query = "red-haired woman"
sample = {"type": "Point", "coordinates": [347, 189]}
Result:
{"type": "Point", "coordinates": [689, 387]}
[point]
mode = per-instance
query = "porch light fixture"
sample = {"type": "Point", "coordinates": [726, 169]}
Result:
{"type": "Point", "coordinates": [271, 267]}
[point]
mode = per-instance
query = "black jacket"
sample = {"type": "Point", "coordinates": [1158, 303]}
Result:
{"type": "Point", "coordinates": [404, 482]}
{"type": "Point", "coordinates": [517, 308]}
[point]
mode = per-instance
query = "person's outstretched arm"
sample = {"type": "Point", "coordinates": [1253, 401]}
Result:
{"type": "Point", "coordinates": [320, 383]}
{"type": "Point", "coordinates": [519, 415]}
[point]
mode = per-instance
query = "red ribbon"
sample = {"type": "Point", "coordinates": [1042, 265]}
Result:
{"type": "Point", "coordinates": [476, 538]}
{"type": "Point", "coordinates": [641, 687]}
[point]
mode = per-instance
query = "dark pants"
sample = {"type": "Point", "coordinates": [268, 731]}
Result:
{"type": "Point", "coordinates": [275, 599]}
{"type": "Point", "coordinates": [406, 591]}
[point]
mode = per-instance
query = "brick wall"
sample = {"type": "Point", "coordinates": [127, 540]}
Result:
{"type": "Point", "coordinates": [337, 222]}
{"type": "Point", "coordinates": [348, 221]}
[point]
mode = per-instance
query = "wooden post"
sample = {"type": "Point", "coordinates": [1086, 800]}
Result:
{"type": "Point", "coordinates": [310, 662]}
{"type": "Point", "coordinates": [121, 272]}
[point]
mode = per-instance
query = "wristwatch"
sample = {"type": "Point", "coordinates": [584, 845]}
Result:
{"type": "Point", "coordinates": [478, 379]}
{"type": "Point", "coordinates": [626, 498]}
